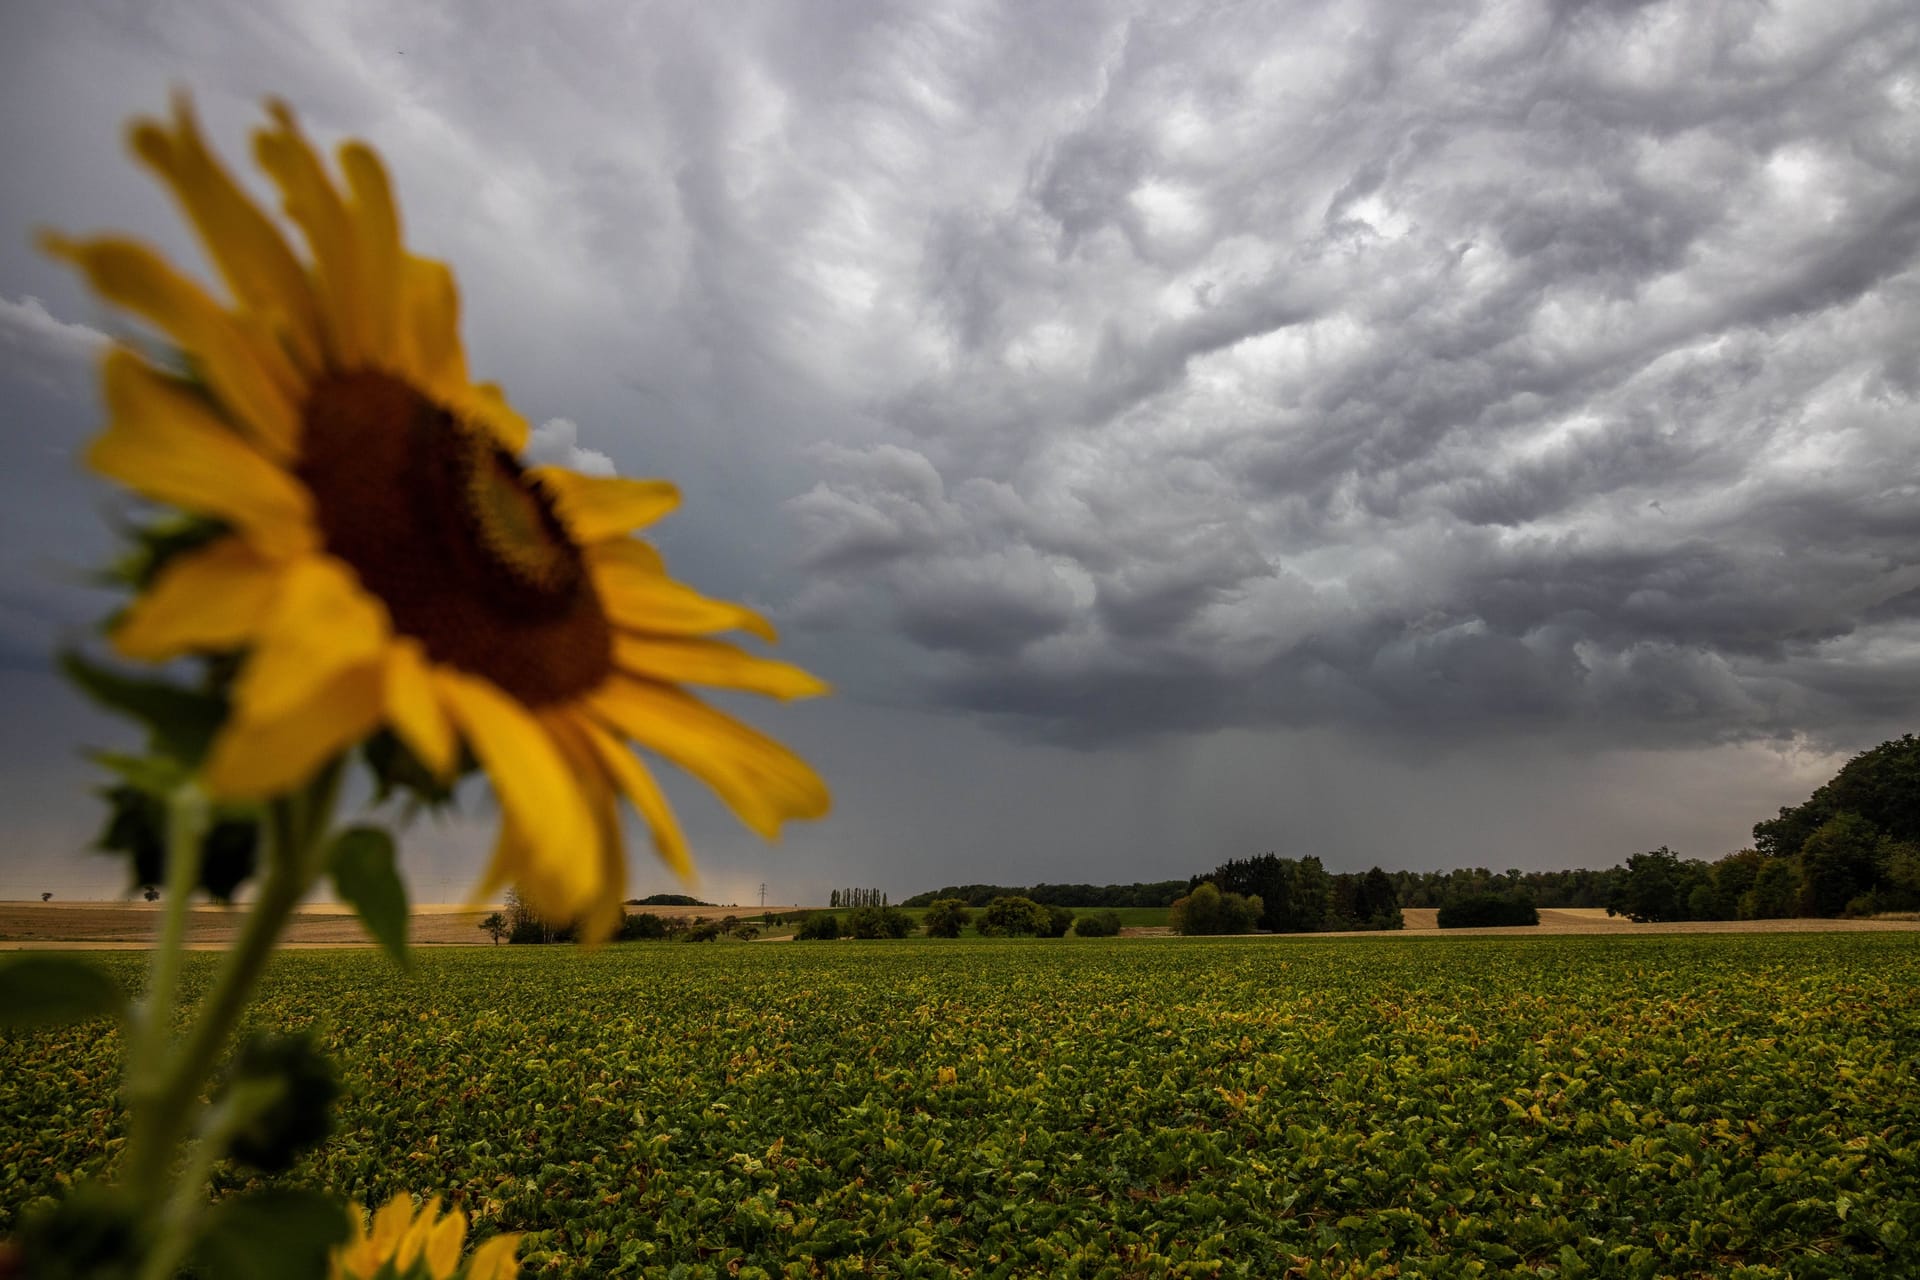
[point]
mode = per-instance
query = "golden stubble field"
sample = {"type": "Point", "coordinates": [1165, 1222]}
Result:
{"type": "Point", "coordinates": [115, 925]}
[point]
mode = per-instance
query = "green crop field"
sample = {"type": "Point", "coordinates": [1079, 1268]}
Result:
{"type": "Point", "coordinates": [1658, 1106]}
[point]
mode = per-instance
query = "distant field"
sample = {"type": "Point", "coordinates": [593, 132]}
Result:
{"type": "Point", "coordinates": [1575, 1107]}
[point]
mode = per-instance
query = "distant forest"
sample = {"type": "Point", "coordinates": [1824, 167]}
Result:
{"type": "Point", "coordinates": [1853, 848]}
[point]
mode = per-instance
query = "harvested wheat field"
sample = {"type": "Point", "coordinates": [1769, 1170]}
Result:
{"type": "Point", "coordinates": [112, 925]}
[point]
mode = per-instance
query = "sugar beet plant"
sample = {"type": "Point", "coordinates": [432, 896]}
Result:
{"type": "Point", "coordinates": [342, 541]}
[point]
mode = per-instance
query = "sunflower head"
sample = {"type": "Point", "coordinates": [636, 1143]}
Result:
{"type": "Point", "coordinates": [373, 560]}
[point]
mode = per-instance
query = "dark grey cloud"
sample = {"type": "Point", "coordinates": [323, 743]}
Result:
{"type": "Point", "coordinates": [1442, 370]}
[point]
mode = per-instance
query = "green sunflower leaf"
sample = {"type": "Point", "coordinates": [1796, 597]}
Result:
{"type": "Point", "coordinates": [365, 876]}
{"type": "Point", "coordinates": [182, 721]}
{"type": "Point", "coordinates": [38, 989]}
{"type": "Point", "coordinates": [280, 1234]}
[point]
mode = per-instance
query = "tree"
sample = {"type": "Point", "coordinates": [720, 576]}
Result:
{"type": "Point", "coordinates": [46, 897]}
{"type": "Point", "coordinates": [1099, 924]}
{"type": "Point", "coordinates": [1208, 911]}
{"type": "Point", "coordinates": [818, 927]}
{"type": "Point", "coordinates": [1489, 910]}
{"type": "Point", "coordinates": [875, 921]}
{"type": "Point", "coordinates": [642, 926]}
{"type": "Point", "coordinates": [1012, 917]}
{"type": "Point", "coordinates": [1054, 921]}
{"type": "Point", "coordinates": [1658, 885]}
{"type": "Point", "coordinates": [152, 894]}
{"type": "Point", "coordinates": [946, 917]}
{"type": "Point", "coordinates": [1776, 888]}
{"type": "Point", "coordinates": [495, 927]}
{"type": "Point", "coordinates": [1838, 863]}
{"type": "Point", "coordinates": [834, 900]}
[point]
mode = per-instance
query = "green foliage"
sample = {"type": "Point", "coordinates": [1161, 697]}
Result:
{"type": "Point", "coordinates": [1208, 911]}
{"type": "Point", "coordinates": [136, 828]}
{"type": "Point", "coordinates": [283, 1089]}
{"type": "Point", "coordinates": [877, 922]}
{"type": "Point", "coordinates": [362, 864]}
{"type": "Point", "coordinates": [1658, 885]}
{"type": "Point", "coordinates": [1159, 893]}
{"type": "Point", "coordinates": [1601, 1107]}
{"type": "Point", "coordinates": [822, 926]}
{"type": "Point", "coordinates": [1775, 891]}
{"type": "Point", "coordinates": [946, 917]}
{"type": "Point", "coordinates": [1881, 785]}
{"type": "Point", "coordinates": [275, 1234]}
{"type": "Point", "coordinates": [1838, 863]}
{"type": "Point", "coordinates": [1013, 918]}
{"type": "Point", "coordinates": [495, 927]}
{"type": "Point", "coordinates": [1098, 924]}
{"type": "Point", "coordinates": [667, 900]}
{"type": "Point", "coordinates": [1489, 910]}
{"type": "Point", "coordinates": [93, 1232]}
{"type": "Point", "coordinates": [641, 926]}
{"type": "Point", "coordinates": [39, 988]}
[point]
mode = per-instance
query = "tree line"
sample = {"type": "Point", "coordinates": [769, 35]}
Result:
{"type": "Point", "coordinates": [1158, 893]}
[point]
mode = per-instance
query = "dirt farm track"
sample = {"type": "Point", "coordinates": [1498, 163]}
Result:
{"type": "Point", "coordinates": [114, 925]}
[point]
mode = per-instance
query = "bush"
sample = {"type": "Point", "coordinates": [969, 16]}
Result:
{"type": "Point", "coordinates": [641, 926]}
{"type": "Point", "coordinates": [1013, 918]}
{"type": "Point", "coordinates": [824, 927]}
{"type": "Point", "coordinates": [1208, 911]}
{"type": "Point", "coordinates": [1101, 924]}
{"type": "Point", "coordinates": [532, 929]}
{"type": "Point", "coordinates": [703, 931]}
{"type": "Point", "coordinates": [1489, 911]}
{"type": "Point", "coordinates": [1054, 921]}
{"type": "Point", "coordinates": [878, 922]}
{"type": "Point", "coordinates": [946, 917]}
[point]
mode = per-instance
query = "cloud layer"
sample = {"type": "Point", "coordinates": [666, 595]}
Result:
{"type": "Point", "coordinates": [1436, 370]}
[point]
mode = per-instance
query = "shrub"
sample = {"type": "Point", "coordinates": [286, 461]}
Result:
{"type": "Point", "coordinates": [878, 922]}
{"type": "Point", "coordinates": [1012, 918]}
{"type": "Point", "coordinates": [1100, 924]}
{"type": "Point", "coordinates": [946, 917]}
{"type": "Point", "coordinates": [746, 932]}
{"type": "Point", "coordinates": [1054, 921]}
{"type": "Point", "coordinates": [1208, 911]}
{"type": "Point", "coordinates": [703, 931]}
{"type": "Point", "coordinates": [1489, 910]}
{"type": "Point", "coordinates": [642, 926]}
{"type": "Point", "coordinates": [824, 927]}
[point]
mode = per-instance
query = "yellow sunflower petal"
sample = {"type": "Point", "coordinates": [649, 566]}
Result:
{"type": "Point", "coordinates": [600, 922]}
{"type": "Point", "coordinates": [485, 405]}
{"type": "Point", "coordinates": [254, 759]}
{"type": "Point", "coordinates": [311, 200]}
{"type": "Point", "coordinates": [443, 1245]}
{"type": "Point", "coordinates": [253, 258]}
{"type": "Point", "coordinates": [254, 381]}
{"type": "Point", "coordinates": [537, 791]}
{"type": "Point", "coordinates": [685, 660]}
{"type": "Point", "coordinates": [430, 325]}
{"type": "Point", "coordinates": [413, 707]}
{"type": "Point", "coordinates": [202, 601]}
{"type": "Point", "coordinates": [596, 508]}
{"type": "Point", "coordinates": [762, 781]}
{"type": "Point", "coordinates": [377, 236]}
{"type": "Point", "coordinates": [415, 1240]}
{"type": "Point", "coordinates": [636, 595]}
{"type": "Point", "coordinates": [320, 624]}
{"type": "Point", "coordinates": [494, 1260]}
{"type": "Point", "coordinates": [391, 1223]}
{"type": "Point", "coordinates": [632, 777]}
{"type": "Point", "coordinates": [162, 440]}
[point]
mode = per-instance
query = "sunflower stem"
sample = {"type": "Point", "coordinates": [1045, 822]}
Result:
{"type": "Point", "coordinates": [164, 1115]}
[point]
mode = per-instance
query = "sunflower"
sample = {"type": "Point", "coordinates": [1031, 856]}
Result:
{"type": "Point", "coordinates": [385, 560]}
{"type": "Point", "coordinates": [405, 1243]}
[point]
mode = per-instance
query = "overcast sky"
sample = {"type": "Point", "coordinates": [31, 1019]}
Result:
{"type": "Point", "coordinates": [1425, 435]}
